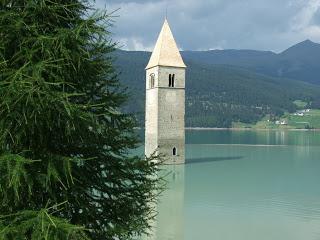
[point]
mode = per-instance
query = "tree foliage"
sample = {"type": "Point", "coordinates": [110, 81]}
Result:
{"type": "Point", "coordinates": [65, 167]}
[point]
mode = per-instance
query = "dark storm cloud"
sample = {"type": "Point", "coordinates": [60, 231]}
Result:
{"type": "Point", "coordinates": [210, 24]}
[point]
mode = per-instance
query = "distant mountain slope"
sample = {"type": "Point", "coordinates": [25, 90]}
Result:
{"type": "Point", "coordinates": [300, 62]}
{"type": "Point", "coordinates": [218, 94]}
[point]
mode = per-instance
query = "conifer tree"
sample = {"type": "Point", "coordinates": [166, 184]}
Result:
{"type": "Point", "coordinates": [65, 167]}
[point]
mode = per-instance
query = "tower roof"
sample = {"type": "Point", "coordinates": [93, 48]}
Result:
{"type": "Point", "coordinates": [166, 52]}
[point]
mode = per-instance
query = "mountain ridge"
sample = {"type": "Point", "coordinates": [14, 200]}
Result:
{"type": "Point", "coordinates": [299, 62]}
{"type": "Point", "coordinates": [219, 94]}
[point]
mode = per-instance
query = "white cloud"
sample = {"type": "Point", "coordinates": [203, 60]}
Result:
{"type": "Point", "coordinates": [134, 44]}
{"type": "Point", "coordinates": [304, 18]}
{"type": "Point", "coordinates": [207, 24]}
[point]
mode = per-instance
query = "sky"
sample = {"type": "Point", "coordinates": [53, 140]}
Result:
{"type": "Point", "coordinates": [215, 24]}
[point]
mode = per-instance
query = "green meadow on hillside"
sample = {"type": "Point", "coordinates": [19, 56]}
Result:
{"type": "Point", "coordinates": [309, 120]}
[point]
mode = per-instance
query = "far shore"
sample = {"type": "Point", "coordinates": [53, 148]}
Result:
{"type": "Point", "coordinates": [251, 129]}
{"type": "Point", "coordinates": [246, 129]}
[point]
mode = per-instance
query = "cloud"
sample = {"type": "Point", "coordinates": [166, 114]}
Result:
{"type": "Point", "coordinates": [304, 18]}
{"type": "Point", "coordinates": [208, 24]}
{"type": "Point", "coordinates": [316, 18]}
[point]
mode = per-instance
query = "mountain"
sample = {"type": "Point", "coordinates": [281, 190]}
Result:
{"type": "Point", "coordinates": [221, 87]}
{"type": "Point", "coordinates": [299, 62]}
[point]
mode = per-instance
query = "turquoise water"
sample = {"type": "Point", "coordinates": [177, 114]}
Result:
{"type": "Point", "coordinates": [244, 185]}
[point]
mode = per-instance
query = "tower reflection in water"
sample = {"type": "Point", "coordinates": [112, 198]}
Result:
{"type": "Point", "coordinates": [169, 224]}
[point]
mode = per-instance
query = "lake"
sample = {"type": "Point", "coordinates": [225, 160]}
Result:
{"type": "Point", "coordinates": [243, 185]}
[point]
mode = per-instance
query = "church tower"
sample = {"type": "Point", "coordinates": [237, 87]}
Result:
{"type": "Point", "coordinates": [165, 100]}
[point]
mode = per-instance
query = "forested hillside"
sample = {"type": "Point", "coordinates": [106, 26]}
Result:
{"type": "Point", "coordinates": [217, 95]}
{"type": "Point", "coordinates": [299, 62]}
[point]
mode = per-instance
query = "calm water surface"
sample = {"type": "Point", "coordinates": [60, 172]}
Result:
{"type": "Point", "coordinates": [244, 185]}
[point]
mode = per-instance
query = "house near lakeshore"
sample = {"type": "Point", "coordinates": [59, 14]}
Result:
{"type": "Point", "coordinates": [281, 122]}
{"type": "Point", "coordinates": [165, 100]}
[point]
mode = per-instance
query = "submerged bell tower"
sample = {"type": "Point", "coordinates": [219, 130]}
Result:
{"type": "Point", "coordinates": [165, 100]}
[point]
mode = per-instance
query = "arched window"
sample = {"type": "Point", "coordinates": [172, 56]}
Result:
{"type": "Point", "coordinates": [171, 80]}
{"type": "Point", "coordinates": [174, 151]}
{"type": "Point", "coordinates": [152, 77]}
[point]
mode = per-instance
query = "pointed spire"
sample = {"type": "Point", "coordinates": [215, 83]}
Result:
{"type": "Point", "coordinates": [166, 52]}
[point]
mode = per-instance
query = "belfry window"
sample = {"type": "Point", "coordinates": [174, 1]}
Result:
{"type": "Point", "coordinates": [152, 77]}
{"type": "Point", "coordinates": [171, 80]}
{"type": "Point", "coordinates": [174, 151]}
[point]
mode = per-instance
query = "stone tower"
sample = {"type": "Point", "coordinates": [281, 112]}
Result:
{"type": "Point", "coordinates": [165, 100]}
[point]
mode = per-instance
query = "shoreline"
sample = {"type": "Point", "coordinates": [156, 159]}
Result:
{"type": "Point", "coordinates": [252, 129]}
{"type": "Point", "coordinates": [245, 129]}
